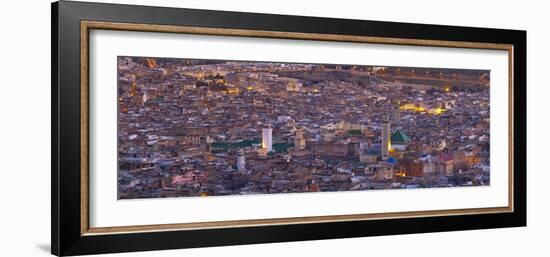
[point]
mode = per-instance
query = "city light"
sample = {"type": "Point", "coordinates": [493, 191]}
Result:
{"type": "Point", "coordinates": [437, 111]}
{"type": "Point", "coordinates": [421, 109]}
{"type": "Point", "coordinates": [233, 91]}
{"type": "Point", "coordinates": [197, 127]}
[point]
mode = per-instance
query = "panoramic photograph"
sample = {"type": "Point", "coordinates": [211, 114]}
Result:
{"type": "Point", "coordinates": [202, 127]}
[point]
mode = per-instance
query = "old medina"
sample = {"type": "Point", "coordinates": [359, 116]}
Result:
{"type": "Point", "coordinates": [190, 127]}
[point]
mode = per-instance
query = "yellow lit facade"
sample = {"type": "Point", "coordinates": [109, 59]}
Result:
{"type": "Point", "coordinates": [419, 108]}
{"type": "Point", "coordinates": [233, 91]}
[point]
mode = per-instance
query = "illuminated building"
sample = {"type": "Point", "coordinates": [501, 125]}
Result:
{"type": "Point", "coordinates": [422, 109]}
{"type": "Point", "coordinates": [294, 87]}
{"type": "Point", "coordinates": [267, 141]}
{"type": "Point", "coordinates": [233, 91]}
{"type": "Point", "coordinates": [152, 63]}
{"type": "Point", "coordinates": [386, 137]}
{"type": "Point", "coordinates": [133, 89]}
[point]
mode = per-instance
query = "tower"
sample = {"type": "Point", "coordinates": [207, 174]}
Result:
{"type": "Point", "coordinates": [267, 142]}
{"type": "Point", "coordinates": [386, 137]}
{"type": "Point", "coordinates": [241, 162]}
{"type": "Point", "coordinates": [396, 114]}
{"type": "Point", "coordinates": [299, 141]}
{"type": "Point", "coordinates": [133, 89]}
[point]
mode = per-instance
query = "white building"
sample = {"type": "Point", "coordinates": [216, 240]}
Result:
{"type": "Point", "coordinates": [267, 142]}
{"type": "Point", "coordinates": [241, 161]}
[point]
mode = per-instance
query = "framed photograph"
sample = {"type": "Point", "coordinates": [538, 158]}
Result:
{"type": "Point", "coordinates": [178, 128]}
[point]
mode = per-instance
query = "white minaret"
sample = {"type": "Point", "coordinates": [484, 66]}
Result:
{"type": "Point", "coordinates": [145, 97]}
{"type": "Point", "coordinates": [267, 141]}
{"type": "Point", "coordinates": [386, 143]}
{"type": "Point", "coordinates": [241, 162]}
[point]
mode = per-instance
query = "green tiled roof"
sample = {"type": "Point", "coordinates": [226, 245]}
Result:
{"type": "Point", "coordinates": [399, 137]}
{"type": "Point", "coordinates": [240, 144]}
{"type": "Point", "coordinates": [355, 132]}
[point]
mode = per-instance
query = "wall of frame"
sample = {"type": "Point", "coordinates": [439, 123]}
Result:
{"type": "Point", "coordinates": [37, 230]}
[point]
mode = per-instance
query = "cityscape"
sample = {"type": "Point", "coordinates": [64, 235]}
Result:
{"type": "Point", "coordinates": [198, 127]}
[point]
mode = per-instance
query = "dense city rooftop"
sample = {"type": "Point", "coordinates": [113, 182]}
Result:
{"type": "Point", "coordinates": [209, 127]}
